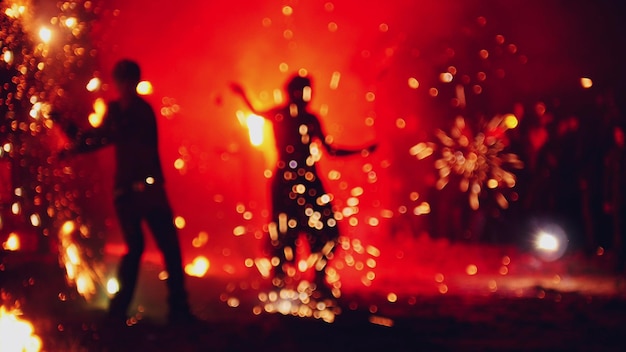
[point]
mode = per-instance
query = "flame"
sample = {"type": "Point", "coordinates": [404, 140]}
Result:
{"type": "Point", "coordinates": [261, 135]}
{"type": "Point", "coordinates": [17, 334]}
{"type": "Point", "coordinates": [255, 125]}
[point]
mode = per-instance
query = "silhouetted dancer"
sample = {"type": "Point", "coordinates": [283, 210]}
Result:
{"type": "Point", "coordinates": [300, 204]}
{"type": "Point", "coordinates": [139, 194]}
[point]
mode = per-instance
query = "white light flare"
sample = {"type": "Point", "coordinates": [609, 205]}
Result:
{"type": "Point", "coordinates": [113, 286]}
{"type": "Point", "coordinates": [550, 242]}
{"type": "Point", "coordinates": [45, 34]}
{"type": "Point", "coordinates": [255, 129]}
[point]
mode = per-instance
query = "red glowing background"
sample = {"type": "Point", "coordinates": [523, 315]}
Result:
{"type": "Point", "coordinates": [191, 51]}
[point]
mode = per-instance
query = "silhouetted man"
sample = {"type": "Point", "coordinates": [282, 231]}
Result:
{"type": "Point", "coordinates": [139, 195]}
{"type": "Point", "coordinates": [300, 204]}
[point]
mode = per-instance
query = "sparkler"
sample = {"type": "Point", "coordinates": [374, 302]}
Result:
{"type": "Point", "coordinates": [82, 271]}
{"type": "Point", "coordinates": [42, 64]}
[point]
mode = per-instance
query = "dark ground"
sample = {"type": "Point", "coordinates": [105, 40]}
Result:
{"type": "Point", "coordinates": [549, 321]}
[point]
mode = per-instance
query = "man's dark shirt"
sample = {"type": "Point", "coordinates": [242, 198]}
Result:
{"type": "Point", "coordinates": [134, 133]}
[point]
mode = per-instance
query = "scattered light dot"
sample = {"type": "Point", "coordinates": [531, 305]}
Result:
{"type": "Point", "coordinates": [334, 80]}
{"type": "Point", "coordinates": [71, 22]}
{"type": "Point", "coordinates": [144, 88]}
{"type": "Point", "coordinates": [45, 34]}
{"type": "Point", "coordinates": [239, 231]}
{"type": "Point", "coordinates": [439, 277]}
{"type": "Point", "coordinates": [35, 220]}
{"type": "Point", "coordinates": [113, 286]}
{"type": "Point", "coordinates": [93, 84]}
{"type": "Point", "coordinates": [180, 222]}
{"type": "Point", "coordinates": [510, 121]}
{"type": "Point", "coordinates": [446, 77]}
{"type": "Point", "coordinates": [99, 111]}
{"type": "Point", "coordinates": [287, 10]}
{"type": "Point", "coordinates": [586, 82]}
{"type": "Point", "coordinates": [12, 243]}
{"type": "Point", "coordinates": [471, 269]}
{"type": "Point", "coordinates": [179, 164]}
{"type": "Point", "coordinates": [163, 275]}
{"type": "Point", "coordinates": [198, 267]}
{"type": "Point", "coordinates": [8, 56]}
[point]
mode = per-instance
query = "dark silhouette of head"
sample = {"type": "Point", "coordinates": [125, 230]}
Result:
{"type": "Point", "coordinates": [299, 89]}
{"type": "Point", "coordinates": [126, 74]}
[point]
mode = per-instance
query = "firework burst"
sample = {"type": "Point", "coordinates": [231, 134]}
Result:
{"type": "Point", "coordinates": [477, 160]}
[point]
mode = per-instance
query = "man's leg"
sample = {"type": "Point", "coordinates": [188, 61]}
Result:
{"type": "Point", "coordinates": [130, 224]}
{"type": "Point", "coordinates": [161, 223]}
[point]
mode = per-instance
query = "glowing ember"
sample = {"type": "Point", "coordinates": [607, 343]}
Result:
{"type": "Point", "coordinates": [144, 88]}
{"type": "Point", "coordinates": [94, 84]}
{"type": "Point", "coordinates": [99, 110]}
{"type": "Point", "coordinates": [300, 301]}
{"type": "Point", "coordinates": [17, 335]}
{"type": "Point", "coordinates": [12, 243]}
{"type": "Point", "coordinates": [198, 267]}
{"type": "Point", "coordinates": [113, 286]}
{"type": "Point", "coordinates": [45, 34]}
